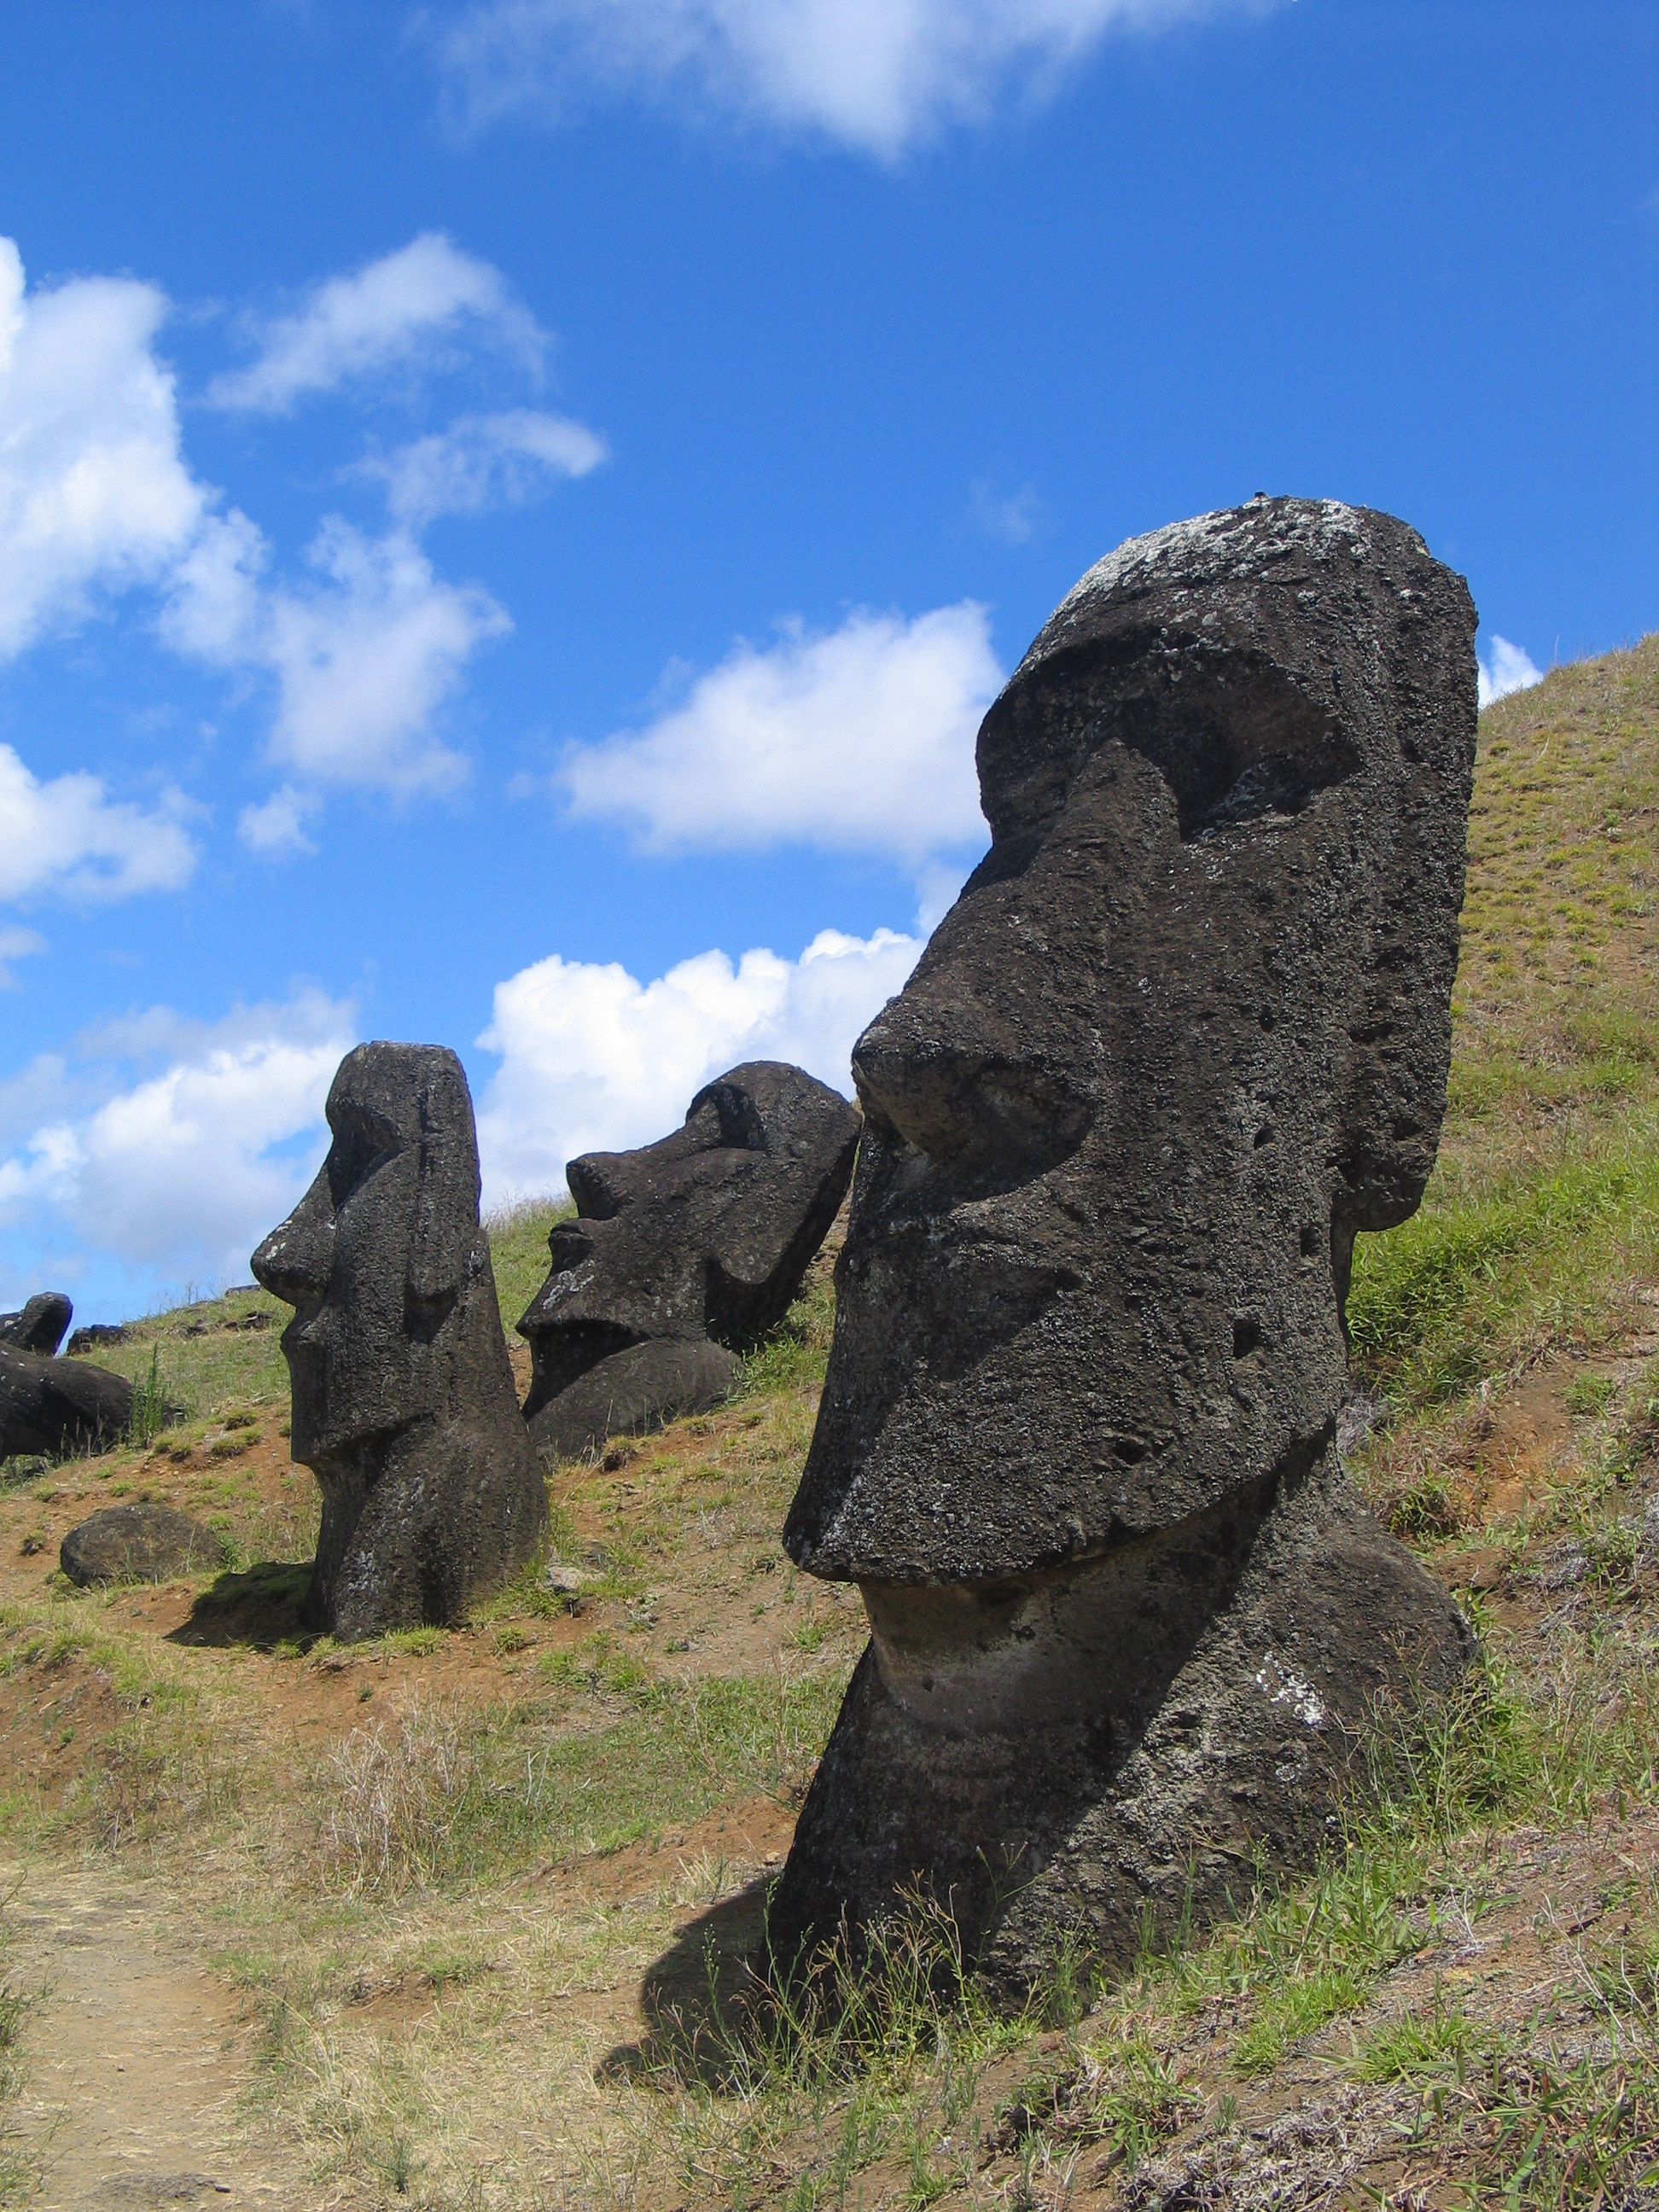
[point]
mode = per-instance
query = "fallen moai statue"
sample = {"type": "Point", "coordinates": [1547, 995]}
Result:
{"type": "Point", "coordinates": [59, 1406]}
{"type": "Point", "coordinates": [142, 1542]}
{"type": "Point", "coordinates": [403, 1402]}
{"type": "Point", "coordinates": [683, 1254]}
{"type": "Point", "coordinates": [1185, 1032]}
{"type": "Point", "coordinates": [40, 1325]}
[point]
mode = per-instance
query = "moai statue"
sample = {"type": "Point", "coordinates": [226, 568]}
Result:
{"type": "Point", "coordinates": [41, 1326]}
{"type": "Point", "coordinates": [404, 1402]}
{"type": "Point", "coordinates": [1184, 1033]}
{"type": "Point", "coordinates": [683, 1253]}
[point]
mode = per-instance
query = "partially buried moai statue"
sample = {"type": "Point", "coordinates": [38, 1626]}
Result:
{"type": "Point", "coordinates": [403, 1403]}
{"type": "Point", "coordinates": [1184, 1033]}
{"type": "Point", "coordinates": [683, 1254]}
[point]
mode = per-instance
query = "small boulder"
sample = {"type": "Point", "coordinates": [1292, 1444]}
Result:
{"type": "Point", "coordinates": [59, 1405]}
{"type": "Point", "coordinates": [42, 1324]}
{"type": "Point", "coordinates": [142, 1543]}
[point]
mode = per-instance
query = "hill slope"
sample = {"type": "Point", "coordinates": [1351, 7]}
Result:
{"type": "Point", "coordinates": [425, 1921]}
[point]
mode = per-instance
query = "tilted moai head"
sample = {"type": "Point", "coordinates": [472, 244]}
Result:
{"type": "Point", "coordinates": [403, 1402]}
{"type": "Point", "coordinates": [1184, 1033]}
{"type": "Point", "coordinates": [693, 1246]}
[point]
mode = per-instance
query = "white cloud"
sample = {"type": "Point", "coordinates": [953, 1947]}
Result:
{"type": "Point", "coordinates": [277, 829]}
{"type": "Point", "coordinates": [861, 740]}
{"type": "Point", "coordinates": [594, 1059]}
{"type": "Point", "coordinates": [69, 836]}
{"type": "Point", "coordinates": [1506, 668]}
{"type": "Point", "coordinates": [214, 610]}
{"type": "Point", "coordinates": [393, 313]}
{"type": "Point", "coordinates": [16, 945]}
{"type": "Point", "coordinates": [178, 1173]}
{"type": "Point", "coordinates": [875, 74]}
{"type": "Point", "coordinates": [365, 662]}
{"type": "Point", "coordinates": [94, 496]}
{"type": "Point", "coordinates": [484, 460]}
{"type": "Point", "coordinates": [1013, 518]}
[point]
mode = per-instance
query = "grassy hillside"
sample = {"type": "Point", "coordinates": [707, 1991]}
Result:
{"type": "Point", "coordinates": [467, 1911]}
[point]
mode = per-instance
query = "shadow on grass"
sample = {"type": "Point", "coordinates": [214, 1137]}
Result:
{"type": "Point", "coordinates": [712, 1973]}
{"type": "Point", "coordinates": [259, 1607]}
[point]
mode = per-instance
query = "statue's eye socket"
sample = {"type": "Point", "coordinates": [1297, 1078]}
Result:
{"type": "Point", "coordinates": [352, 1158]}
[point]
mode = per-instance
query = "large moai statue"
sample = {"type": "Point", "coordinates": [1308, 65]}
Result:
{"type": "Point", "coordinates": [682, 1253]}
{"type": "Point", "coordinates": [403, 1402]}
{"type": "Point", "coordinates": [1185, 1032]}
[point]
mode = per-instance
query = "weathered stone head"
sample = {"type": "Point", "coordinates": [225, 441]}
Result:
{"type": "Point", "coordinates": [683, 1253]}
{"type": "Point", "coordinates": [1184, 1033]}
{"type": "Point", "coordinates": [404, 1402]}
{"type": "Point", "coordinates": [42, 1324]}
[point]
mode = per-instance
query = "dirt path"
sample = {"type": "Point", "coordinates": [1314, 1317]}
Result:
{"type": "Point", "coordinates": [134, 2058]}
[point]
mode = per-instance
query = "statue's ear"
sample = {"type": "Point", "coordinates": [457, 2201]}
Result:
{"type": "Point", "coordinates": [445, 1221]}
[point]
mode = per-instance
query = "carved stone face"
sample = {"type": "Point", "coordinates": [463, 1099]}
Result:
{"type": "Point", "coordinates": [1184, 1032]}
{"type": "Point", "coordinates": [704, 1235]}
{"type": "Point", "coordinates": [375, 1256]}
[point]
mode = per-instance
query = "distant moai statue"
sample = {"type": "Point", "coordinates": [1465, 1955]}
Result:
{"type": "Point", "coordinates": [404, 1401]}
{"type": "Point", "coordinates": [682, 1253]}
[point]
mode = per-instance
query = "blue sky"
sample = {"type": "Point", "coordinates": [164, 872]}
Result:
{"type": "Point", "coordinates": [510, 514]}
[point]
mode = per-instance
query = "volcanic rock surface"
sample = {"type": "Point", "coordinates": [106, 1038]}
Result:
{"type": "Point", "coordinates": [403, 1402]}
{"type": "Point", "coordinates": [1184, 1034]}
{"type": "Point", "coordinates": [682, 1253]}
{"type": "Point", "coordinates": [143, 1542]}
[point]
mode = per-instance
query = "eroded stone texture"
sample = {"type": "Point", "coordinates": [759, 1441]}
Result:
{"type": "Point", "coordinates": [404, 1402]}
{"type": "Point", "coordinates": [1184, 1033]}
{"type": "Point", "coordinates": [40, 1325]}
{"type": "Point", "coordinates": [143, 1542]}
{"type": "Point", "coordinates": [683, 1253]}
{"type": "Point", "coordinates": [59, 1406]}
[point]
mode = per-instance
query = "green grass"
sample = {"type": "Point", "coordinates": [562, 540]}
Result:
{"type": "Point", "coordinates": [424, 1800]}
{"type": "Point", "coordinates": [1422, 2045]}
{"type": "Point", "coordinates": [1469, 1285]}
{"type": "Point", "coordinates": [517, 1251]}
{"type": "Point", "coordinates": [794, 1355]}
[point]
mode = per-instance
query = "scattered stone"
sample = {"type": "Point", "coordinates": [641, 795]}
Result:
{"type": "Point", "coordinates": [684, 1254]}
{"type": "Point", "coordinates": [141, 1543]}
{"type": "Point", "coordinates": [1185, 1032]}
{"type": "Point", "coordinates": [42, 1324]}
{"type": "Point", "coordinates": [403, 1402]}
{"type": "Point", "coordinates": [59, 1406]}
{"type": "Point", "coordinates": [94, 1337]}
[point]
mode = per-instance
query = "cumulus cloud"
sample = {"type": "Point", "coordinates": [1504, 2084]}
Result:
{"type": "Point", "coordinates": [875, 74]}
{"type": "Point", "coordinates": [69, 836]}
{"type": "Point", "coordinates": [176, 1146]}
{"type": "Point", "coordinates": [1506, 668]}
{"type": "Point", "coordinates": [276, 828]}
{"type": "Point", "coordinates": [592, 1059]}
{"type": "Point", "coordinates": [483, 460]}
{"type": "Point", "coordinates": [859, 740]}
{"type": "Point", "coordinates": [1013, 518]}
{"type": "Point", "coordinates": [390, 314]}
{"type": "Point", "coordinates": [365, 660]}
{"type": "Point", "coordinates": [94, 496]}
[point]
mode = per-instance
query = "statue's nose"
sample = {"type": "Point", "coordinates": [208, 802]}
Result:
{"type": "Point", "coordinates": [295, 1261]}
{"type": "Point", "coordinates": [965, 1102]}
